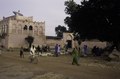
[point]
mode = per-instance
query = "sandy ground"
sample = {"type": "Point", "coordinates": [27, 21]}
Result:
{"type": "Point", "coordinates": [14, 67]}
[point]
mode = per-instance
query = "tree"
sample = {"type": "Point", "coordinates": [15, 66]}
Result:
{"type": "Point", "coordinates": [71, 7]}
{"type": "Point", "coordinates": [30, 40]}
{"type": "Point", "coordinates": [95, 19]}
{"type": "Point", "coordinates": [59, 30]}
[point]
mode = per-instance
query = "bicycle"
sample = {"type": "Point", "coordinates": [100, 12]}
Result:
{"type": "Point", "coordinates": [33, 59]}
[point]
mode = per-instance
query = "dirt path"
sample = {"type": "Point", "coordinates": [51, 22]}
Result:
{"type": "Point", "coordinates": [14, 67]}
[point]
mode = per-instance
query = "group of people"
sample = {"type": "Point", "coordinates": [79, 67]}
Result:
{"type": "Point", "coordinates": [39, 49]}
{"type": "Point", "coordinates": [96, 51]}
{"type": "Point", "coordinates": [57, 50]}
{"type": "Point", "coordinates": [32, 52]}
{"type": "Point", "coordinates": [75, 53]}
{"type": "Point", "coordinates": [43, 48]}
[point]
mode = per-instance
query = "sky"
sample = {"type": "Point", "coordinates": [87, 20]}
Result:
{"type": "Point", "coordinates": [50, 11]}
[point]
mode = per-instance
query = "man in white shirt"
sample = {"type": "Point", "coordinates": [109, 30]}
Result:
{"type": "Point", "coordinates": [32, 52]}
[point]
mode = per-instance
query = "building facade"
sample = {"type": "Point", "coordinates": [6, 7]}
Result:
{"type": "Point", "coordinates": [66, 40]}
{"type": "Point", "coordinates": [14, 29]}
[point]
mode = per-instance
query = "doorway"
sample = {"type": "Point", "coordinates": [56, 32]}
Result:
{"type": "Point", "coordinates": [69, 43]}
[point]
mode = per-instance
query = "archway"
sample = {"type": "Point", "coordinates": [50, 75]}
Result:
{"type": "Point", "coordinates": [69, 41]}
{"type": "Point", "coordinates": [30, 27]}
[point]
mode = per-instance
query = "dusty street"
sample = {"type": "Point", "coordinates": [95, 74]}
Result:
{"type": "Point", "coordinates": [14, 67]}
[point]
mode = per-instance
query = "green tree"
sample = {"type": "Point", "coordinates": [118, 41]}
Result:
{"type": "Point", "coordinates": [30, 40]}
{"type": "Point", "coordinates": [71, 7]}
{"type": "Point", "coordinates": [59, 30]}
{"type": "Point", "coordinates": [95, 19]}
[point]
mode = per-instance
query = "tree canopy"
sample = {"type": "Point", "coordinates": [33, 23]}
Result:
{"type": "Point", "coordinates": [94, 19]}
{"type": "Point", "coordinates": [59, 30]}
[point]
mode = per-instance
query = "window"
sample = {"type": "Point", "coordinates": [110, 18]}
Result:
{"type": "Point", "coordinates": [25, 27]}
{"type": "Point", "coordinates": [30, 28]}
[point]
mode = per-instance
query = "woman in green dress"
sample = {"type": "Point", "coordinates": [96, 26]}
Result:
{"type": "Point", "coordinates": [75, 56]}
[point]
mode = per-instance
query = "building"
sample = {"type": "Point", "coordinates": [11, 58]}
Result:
{"type": "Point", "coordinates": [14, 29]}
{"type": "Point", "coordinates": [66, 40]}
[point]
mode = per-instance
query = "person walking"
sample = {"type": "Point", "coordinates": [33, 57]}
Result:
{"type": "Point", "coordinates": [85, 48]}
{"type": "Point", "coordinates": [75, 56]}
{"type": "Point", "coordinates": [38, 50]}
{"type": "Point", "coordinates": [21, 53]}
{"type": "Point", "coordinates": [56, 50]}
{"type": "Point", "coordinates": [32, 53]}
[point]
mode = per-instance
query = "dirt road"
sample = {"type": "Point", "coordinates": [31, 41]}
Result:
{"type": "Point", "coordinates": [14, 67]}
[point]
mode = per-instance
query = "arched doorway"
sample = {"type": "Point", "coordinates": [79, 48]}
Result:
{"type": "Point", "coordinates": [69, 41]}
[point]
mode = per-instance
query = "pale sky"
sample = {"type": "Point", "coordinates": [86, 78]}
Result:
{"type": "Point", "coordinates": [50, 11]}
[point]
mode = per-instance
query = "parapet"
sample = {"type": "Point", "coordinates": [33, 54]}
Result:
{"type": "Point", "coordinates": [24, 18]}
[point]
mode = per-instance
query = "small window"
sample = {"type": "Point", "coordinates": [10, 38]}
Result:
{"type": "Point", "coordinates": [25, 27]}
{"type": "Point", "coordinates": [30, 28]}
